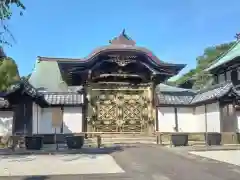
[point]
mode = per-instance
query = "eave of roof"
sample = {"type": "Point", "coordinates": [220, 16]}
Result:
{"type": "Point", "coordinates": [182, 96]}
{"type": "Point", "coordinates": [228, 56]}
{"type": "Point", "coordinates": [167, 88]}
{"type": "Point", "coordinates": [68, 98]}
{"type": "Point", "coordinates": [114, 48]}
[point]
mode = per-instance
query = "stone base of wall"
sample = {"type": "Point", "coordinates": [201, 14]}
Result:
{"type": "Point", "coordinates": [199, 138]}
{"type": "Point", "coordinates": [230, 138]}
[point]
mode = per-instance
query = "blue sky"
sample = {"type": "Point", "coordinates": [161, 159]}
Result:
{"type": "Point", "coordinates": [175, 30]}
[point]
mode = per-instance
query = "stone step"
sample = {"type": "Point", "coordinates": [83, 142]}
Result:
{"type": "Point", "coordinates": [114, 140]}
{"type": "Point", "coordinates": [125, 136]}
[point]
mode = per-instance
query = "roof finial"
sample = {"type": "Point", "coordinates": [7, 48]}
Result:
{"type": "Point", "coordinates": [237, 36]}
{"type": "Point", "coordinates": [2, 53]}
{"type": "Point", "coordinates": [123, 32]}
{"type": "Point", "coordinates": [123, 39]}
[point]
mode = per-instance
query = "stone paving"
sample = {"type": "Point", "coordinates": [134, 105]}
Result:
{"type": "Point", "coordinates": [68, 164]}
{"type": "Point", "coordinates": [151, 162]}
{"type": "Point", "coordinates": [230, 156]}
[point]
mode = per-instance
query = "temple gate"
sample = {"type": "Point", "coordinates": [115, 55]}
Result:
{"type": "Point", "coordinates": [119, 81]}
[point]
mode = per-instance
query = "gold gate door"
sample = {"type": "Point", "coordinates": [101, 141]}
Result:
{"type": "Point", "coordinates": [132, 117]}
{"type": "Point", "coordinates": [107, 113]}
{"type": "Point", "coordinates": [120, 112]}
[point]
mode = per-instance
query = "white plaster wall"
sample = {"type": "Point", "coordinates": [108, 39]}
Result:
{"type": "Point", "coordinates": [199, 114]}
{"type": "Point", "coordinates": [238, 120]}
{"type": "Point", "coordinates": [36, 117]}
{"type": "Point", "coordinates": [45, 125]}
{"type": "Point", "coordinates": [42, 120]}
{"type": "Point", "coordinates": [6, 121]}
{"type": "Point", "coordinates": [166, 119]}
{"type": "Point", "coordinates": [213, 117]}
{"type": "Point", "coordinates": [187, 121]}
{"type": "Point", "coordinates": [190, 119]}
{"type": "Point", "coordinates": [72, 120]}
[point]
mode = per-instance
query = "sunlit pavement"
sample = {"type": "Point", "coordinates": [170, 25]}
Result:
{"type": "Point", "coordinates": [148, 162]}
{"type": "Point", "coordinates": [230, 156]}
{"type": "Point", "coordinates": [71, 164]}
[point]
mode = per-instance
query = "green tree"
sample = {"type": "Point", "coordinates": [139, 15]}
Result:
{"type": "Point", "coordinates": [200, 77]}
{"type": "Point", "coordinates": [8, 73]}
{"type": "Point", "coordinates": [8, 68]}
{"type": "Point", "coordinates": [5, 15]}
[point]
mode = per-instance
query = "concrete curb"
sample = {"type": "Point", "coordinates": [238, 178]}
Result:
{"type": "Point", "coordinates": [216, 149]}
{"type": "Point", "coordinates": [84, 150]}
{"type": "Point", "coordinates": [205, 148]}
{"type": "Point", "coordinates": [9, 153]}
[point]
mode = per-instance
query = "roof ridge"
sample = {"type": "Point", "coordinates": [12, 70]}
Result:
{"type": "Point", "coordinates": [215, 86]}
{"type": "Point", "coordinates": [45, 58]}
{"type": "Point", "coordinates": [60, 93]}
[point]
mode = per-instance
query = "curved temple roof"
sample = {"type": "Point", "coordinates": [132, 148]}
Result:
{"type": "Point", "coordinates": [121, 44]}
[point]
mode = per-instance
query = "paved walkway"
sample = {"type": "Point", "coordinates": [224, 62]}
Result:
{"type": "Point", "coordinates": [150, 162]}
{"type": "Point", "coordinates": [71, 164]}
{"type": "Point", "coordinates": [231, 156]}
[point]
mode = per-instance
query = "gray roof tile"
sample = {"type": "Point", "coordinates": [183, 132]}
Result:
{"type": "Point", "coordinates": [168, 99]}
{"type": "Point", "coordinates": [190, 98]}
{"type": "Point", "coordinates": [213, 93]}
{"type": "Point", "coordinates": [63, 98]}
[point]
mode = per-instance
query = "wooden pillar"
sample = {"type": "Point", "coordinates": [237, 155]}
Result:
{"type": "Point", "coordinates": [154, 108]}
{"type": "Point", "coordinates": [84, 108]}
{"type": "Point", "coordinates": [88, 106]}
{"type": "Point", "coordinates": [176, 119]}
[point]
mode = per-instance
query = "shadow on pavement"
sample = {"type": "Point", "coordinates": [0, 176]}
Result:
{"type": "Point", "coordinates": [24, 155]}
{"type": "Point", "coordinates": [36, 178]}
{"type": "Point", "coordinates": [106, 150]}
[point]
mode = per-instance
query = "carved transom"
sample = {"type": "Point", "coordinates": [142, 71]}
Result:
{"type": "Point", "coordinates": [122, 60]}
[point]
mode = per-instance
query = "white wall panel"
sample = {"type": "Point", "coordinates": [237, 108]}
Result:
{"type": "Point", "coordinates": [213, 117]}
{"type": "Point", "coordinates": [238, 120]}
{"type": "Point", "coordinates": [187, 121]}
{"type": "Point", "coordinates": [6, 122]}
{"type": "Point", "coordinates": [166, 119]}
{"type": "Point", "coordinates": [200, 118]}
{"type": "Point", "coordinates": [42, 121]}
{"type": "Point", "coordinates": [72, 120]}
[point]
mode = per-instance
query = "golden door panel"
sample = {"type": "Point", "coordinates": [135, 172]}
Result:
{"type": "Point", "coordinates": [107, 114]}
{"type": "Point", "coordinates": [132, 113]}
{"type": "Point", "coordinates": [120, 111]}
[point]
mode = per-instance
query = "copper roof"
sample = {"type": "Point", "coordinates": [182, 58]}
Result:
{"type": "Point", "coordinates": [122, 43]}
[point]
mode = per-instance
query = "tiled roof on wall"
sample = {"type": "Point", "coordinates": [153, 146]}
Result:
{"type": "Point", "coordinates": [167, 99]}
{"type": "Point", "coordinates": [185, 97]}
{"type": "Point", "coordinates": [215, 92]}
{"type": "Point", "coordinates": [63, 98]}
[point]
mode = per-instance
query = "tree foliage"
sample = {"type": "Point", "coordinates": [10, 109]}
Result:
{"type": "Point", "coordinates": [5, 15]}
{"type": "Point", "coordinates": [8, 68]}
{"type": "Point", "coordinates": [200, 77]}
{"type": "Point", "coordinates": [8, 73]}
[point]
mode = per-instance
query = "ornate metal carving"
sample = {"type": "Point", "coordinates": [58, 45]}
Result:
{"type": "Point", "coordinates": [121, 110]}
{"type": "Point", "coordinates": [122, 60]}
